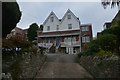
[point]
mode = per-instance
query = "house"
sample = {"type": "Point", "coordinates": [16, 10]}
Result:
{"type": "Point", "coordinates": [20, 33]}
{"type": "Point", "coordinates": [110, 24]}
{"type": "Point", "coordinates": [107, 25]}
{"type": "Point", "coordinates": [98, 34]}
{"type": "Point", "coordinates": [64, 35]}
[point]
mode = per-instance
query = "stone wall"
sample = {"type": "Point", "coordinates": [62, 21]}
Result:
{"type": "Point", "coordinates": [102, 66]}
{"type": "Point", "coordinates": [23, 66]}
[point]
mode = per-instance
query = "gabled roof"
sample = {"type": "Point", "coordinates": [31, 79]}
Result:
{"type": "Point", "coordinates": [16, 28]}
{"type": "Point", "coordinates": [69, 11]}
{"type": "Point", "coordinates": [60, 20]}
{"type": "Point", "coordinates": [52, 13]}
{"type": "Point", "coordinates": [107, 24]}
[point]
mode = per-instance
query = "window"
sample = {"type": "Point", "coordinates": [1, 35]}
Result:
{"type": "Point", "coordinates": [51, 40]}
{"type": "Point", "coordinates": [69, 26]}
{"type": "Point", "coordinates": [85, 29]}
{"type": "Point", "coordinates": [68, 11]}
{"type": "Point", "coordinates": [57, 28]}
{"type": "Point", "coordinates": [48, 28]}
{"type": "Point", "coordinates": [65, 39]}
{"type": "Point", "coordinates": [74, 40]}
{"type": "Point", "coordinates": [46, 41]}
{"type": "Point", "coordinates": [52, 19]}
{"type": "Point", "coordinates": [85, 39]}
{"type": "Point", "coordinates": [14, 33]}
{"type": "Point", "coordinates": [69, 16]}
{"type": "Point", "coordinates": [41, 40]}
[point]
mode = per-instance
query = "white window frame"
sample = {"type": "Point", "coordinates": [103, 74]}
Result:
{"type": "Point", "coordinates": [68, 16]}
{"type": "Point", "coordinates": [85, 39]}
{"type": "Point", "coordinates": [69, 26]}
{"type": "Point", "coordinates": [57, 28]}
{"type": "Point", "coordinates": [52, 19]}
{"type": "Point", "coordinates": [65, 40]}
{"type": "Point", "coordinates": [48, 28]}
{"type": "Point", "coordinates": [86, 28]}
{"type": "Point", "coordinates": [74, 40]}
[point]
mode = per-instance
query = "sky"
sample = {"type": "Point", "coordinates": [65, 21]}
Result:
{"type": "Point", "coordinates": [88, 13]}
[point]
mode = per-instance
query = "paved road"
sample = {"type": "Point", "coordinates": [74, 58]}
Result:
{"type": "Point", "coordinates": [62, 66]}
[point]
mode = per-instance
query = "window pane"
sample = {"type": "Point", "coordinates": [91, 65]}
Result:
{"type": "Point", "coordinates": [85, 29]}
{"type": "Point", "coordinates": [69, 16]}
{"type": "Point", "coordinates": [87, 39]}
{"type": "Point", "coordinates": [47, 40]}
{"type": "Point", "coordinates": [52, 19]}
{"type": "Point", "coordinates": [83, 39]}
{"type": "Point", "coordinates": [69, 26]}
{"type": "Point", "coordinates": [48, 28]}
{"type": "Point", "coordinates": [51, 40]}
{"type": "Point", "coordinates": [57, 28]}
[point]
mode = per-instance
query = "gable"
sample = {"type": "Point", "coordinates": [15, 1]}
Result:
{"type": "Point", "coordinates": [69, 13]}
{"type": "Point", "coordinates": [61, 24]}
{"type": "Point", "coordinates": [52, 14]}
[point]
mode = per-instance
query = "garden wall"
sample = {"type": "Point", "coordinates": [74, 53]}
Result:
{"type": "Point", "coordinates": [102, 66]}
{"type": "Point", "coordinates": [24, 65]}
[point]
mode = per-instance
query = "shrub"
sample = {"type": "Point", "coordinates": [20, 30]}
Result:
{"type": "Point", "coordinates": [94, 47]}
{"type": "Point", "coordinates": [102, 53]}
{"type": "Point", "coordinates": [80, 54]}
{"type": "Point", "coordinates": [108, 42]}
{"type": "Point", "coordinates": [33, 49]}
{"type": "Point", "coordinates": [15, 69]}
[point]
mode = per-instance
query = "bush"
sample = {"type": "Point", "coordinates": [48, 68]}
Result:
{"type": "Point", "coordinates": [80, 54]}
{"type": "Point", "coordinates": [94, 48]}
{"type": "Point", "coordinates": [84, 54]}
{"type": "Point", "coordinates": [115, 30]}
{"type": "Point", "coordinates": [33, 49]}
{"type": "Point", "coordinates": [15, 42]}
{"type": "Point", "coordinates": [108, 42]}
{"type": "Point", "coordinates": [15, 69]}
{"type": "Point", "coordinates": [35, 43]}
{"type": "Point", "coordinates": [102, 53]}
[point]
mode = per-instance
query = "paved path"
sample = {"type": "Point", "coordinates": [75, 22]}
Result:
{"type": "Point", "coordinates": [62, 66]}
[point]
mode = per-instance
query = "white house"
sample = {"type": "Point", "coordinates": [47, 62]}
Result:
{"type": "Point", "coordinates": [65, 34]}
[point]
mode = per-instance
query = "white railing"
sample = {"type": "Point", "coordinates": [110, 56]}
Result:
{"type": "Point", "coordinates": [46, 45]}
{"type": "Point", "coordinates": [67, 44]}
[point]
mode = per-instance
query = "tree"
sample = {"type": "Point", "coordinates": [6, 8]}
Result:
{"type": "Point", "coordinates": [32, 32]}
{"type": "Point", "coordinates": [10, 17]}
{"type": "Point", "coordinates": [113, 30]}
{"type": "Point", "coordinates": [112, 3]}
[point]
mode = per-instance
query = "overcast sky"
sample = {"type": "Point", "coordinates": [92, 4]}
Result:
{"type": "Point", "coordinates": [88, 13]}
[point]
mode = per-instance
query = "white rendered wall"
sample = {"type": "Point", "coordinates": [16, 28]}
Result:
{"type": "Point", "coordinates": [52, 25]}
{"type": "Point", "coordinates": [62, 25]}
{"type": "Point", "coordinates": [66, 21]}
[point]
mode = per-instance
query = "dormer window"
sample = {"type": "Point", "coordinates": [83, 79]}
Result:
{"type": "Point", "coordinates": [52, 19]}
{"type": "Point", "coordinates": [69, 16]}
{"type": "Point", "coordinates": [48, 28]}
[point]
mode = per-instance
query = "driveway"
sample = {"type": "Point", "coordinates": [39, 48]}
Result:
{"type": "Point", "coordinates": [62, 66]}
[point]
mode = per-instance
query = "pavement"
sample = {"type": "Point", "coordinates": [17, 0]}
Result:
{"type": "Point", "coordinates": [62, 66]}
